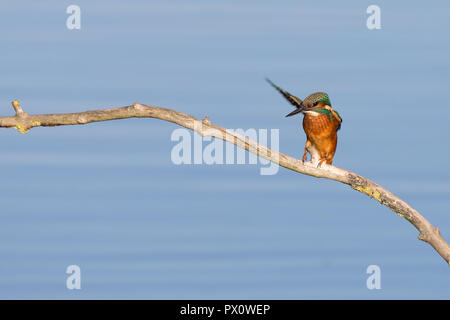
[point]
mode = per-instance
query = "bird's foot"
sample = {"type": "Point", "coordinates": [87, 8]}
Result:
{"type": "Point", "coordinates": [304, 158]}
{"type": "Point", "coordinates": [319, 165]}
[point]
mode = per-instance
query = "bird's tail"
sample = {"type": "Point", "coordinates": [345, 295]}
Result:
{"type": "Point", "coordinates": [297, 102]}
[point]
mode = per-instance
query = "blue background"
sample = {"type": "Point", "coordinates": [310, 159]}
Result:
{"type": "Point", "coordinates": [107, 197]}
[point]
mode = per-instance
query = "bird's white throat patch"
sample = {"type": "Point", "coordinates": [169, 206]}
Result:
{"type": "Point", "coordinates": [312, 113]}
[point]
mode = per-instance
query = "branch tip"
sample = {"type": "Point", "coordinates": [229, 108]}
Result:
{"type": "Point", "coordinates": [18, 108]}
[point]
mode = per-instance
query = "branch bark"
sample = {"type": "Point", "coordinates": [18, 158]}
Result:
{"type": "Point", "coordinates": [23, 122]}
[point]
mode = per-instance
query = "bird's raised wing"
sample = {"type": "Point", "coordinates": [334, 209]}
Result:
{"type": "Point", "coordinates": [289, 97]}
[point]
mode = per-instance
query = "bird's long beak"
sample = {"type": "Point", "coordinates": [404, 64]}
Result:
{"type": "Point", "coordinates": [298, 110]}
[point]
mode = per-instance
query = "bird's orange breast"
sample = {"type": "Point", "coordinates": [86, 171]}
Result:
{"type": "Point", "coordinates": [320, 126]}
{"type": "Point", "coordinates": [322, 132]}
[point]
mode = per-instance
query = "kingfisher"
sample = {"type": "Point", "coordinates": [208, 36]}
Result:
{"type": "Point", "coordinates": [320, 123]}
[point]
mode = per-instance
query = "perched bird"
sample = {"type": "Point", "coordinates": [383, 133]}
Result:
{"type": "Point", "coordinates": [320, 122]}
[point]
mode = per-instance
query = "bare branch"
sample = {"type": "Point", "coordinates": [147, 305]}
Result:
{"type": "Point", "coordinates": [23, 122]}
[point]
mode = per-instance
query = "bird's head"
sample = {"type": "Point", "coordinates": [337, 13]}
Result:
{"type": "Point", "coordinates": [318, 102]}
{"type": "Point", "coordinates": [315, 100]}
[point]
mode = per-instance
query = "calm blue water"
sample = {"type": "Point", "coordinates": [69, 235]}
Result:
{"type": "Point", "coordinates": [108, 198]}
